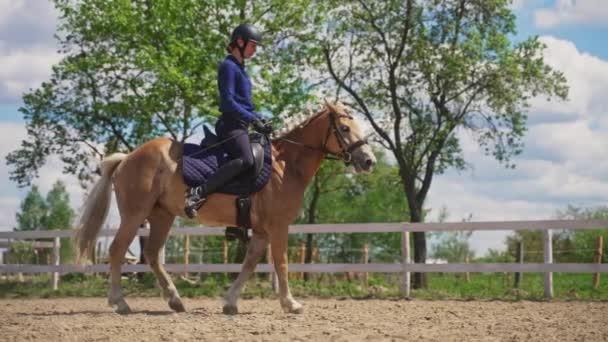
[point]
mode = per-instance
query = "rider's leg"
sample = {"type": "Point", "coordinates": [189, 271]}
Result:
{"type": "Point", "coordinates": [239, 147]}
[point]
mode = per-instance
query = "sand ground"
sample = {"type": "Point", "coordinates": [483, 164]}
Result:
{"type": "Point", "coordinates": [90, 319]}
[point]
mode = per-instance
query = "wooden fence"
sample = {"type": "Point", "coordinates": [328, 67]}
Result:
{"type": "Point", "coordinates": [405, 267]}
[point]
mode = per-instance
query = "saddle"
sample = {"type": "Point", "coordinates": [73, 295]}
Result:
{"type": "Point", "coordinates": [201, 161]}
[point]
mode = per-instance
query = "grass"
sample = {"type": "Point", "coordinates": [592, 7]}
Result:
{"type": "Point", "coordinates": [567, 286]}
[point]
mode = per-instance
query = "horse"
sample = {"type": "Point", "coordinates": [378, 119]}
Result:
{"type": "Point", "coordinates": [148, 185]}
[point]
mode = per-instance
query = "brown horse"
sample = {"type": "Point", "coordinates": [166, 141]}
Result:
{"type": "Point", "coordinates": [148, 185]}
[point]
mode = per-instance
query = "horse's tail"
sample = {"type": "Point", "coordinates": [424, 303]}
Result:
{"type": "Point", "coordinates": [96, 208]}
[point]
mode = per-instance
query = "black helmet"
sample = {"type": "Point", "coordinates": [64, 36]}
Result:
{"type": "Point", "coordinates": [247, 33]}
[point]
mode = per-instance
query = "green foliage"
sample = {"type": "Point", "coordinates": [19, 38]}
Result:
{"type": "Point", "coordinates": [577, 246]}
{"type": "Point", "coordinates": [21, 252]}
{"type": "Point", "coordinates": [441, 286]}
{"type": "Point", "coordinates": [453, 246]}
{"type": "Point", "coordinates": [51, 213]}
{"type": "Point", "coordinates": [338, 196]}
{"type": "Point", "coordinates": [33, 211]}
{"type": "Point", "coordinates": [424, 72]}
{"type": "Point", "coordinates": [135, 70]}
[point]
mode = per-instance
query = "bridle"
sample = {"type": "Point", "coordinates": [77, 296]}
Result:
{"type": "Point", "coordinates": [346, 149]}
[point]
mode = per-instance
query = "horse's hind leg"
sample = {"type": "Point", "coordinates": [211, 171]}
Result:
{"type": "Point", "coordinates": [160, 225]}
{"type": "Point", "coordinates": [255, 249]}
{"type": "Point", "coordinates": [118, 249]}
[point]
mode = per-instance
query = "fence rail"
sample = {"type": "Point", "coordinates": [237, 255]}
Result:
{"type": "Point", "coordinates": [405, 267]}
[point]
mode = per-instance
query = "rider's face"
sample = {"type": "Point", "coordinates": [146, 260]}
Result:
{"type": "Point", "coordinates": [249, 49]}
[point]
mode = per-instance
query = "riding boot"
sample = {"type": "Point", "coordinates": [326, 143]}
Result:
{"type": "Point", "coordinates": [196, 197]}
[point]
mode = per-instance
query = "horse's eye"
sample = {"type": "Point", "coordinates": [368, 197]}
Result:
{"type": "Point", "coordinates": [345, 129]}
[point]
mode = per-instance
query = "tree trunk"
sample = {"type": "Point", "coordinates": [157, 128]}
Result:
{"type": "Point", "coordinates": [308, 256]}
{"type": "Point", "coordinates": [311, 219]}
{"type": "Point", "coordinates": [419, 279]}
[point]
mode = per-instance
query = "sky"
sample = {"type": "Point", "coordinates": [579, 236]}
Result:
{"type": "Point", "coordinates": [563, 161]}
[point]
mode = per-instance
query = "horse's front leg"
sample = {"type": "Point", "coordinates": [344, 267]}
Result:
{"type": "Point", "coordinates": [255, 249]}
{"type": "Point", "coordinates": [278, 243]}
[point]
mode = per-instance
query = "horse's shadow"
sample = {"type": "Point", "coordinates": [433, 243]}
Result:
{"type": "Point", "coordinates": [94, 313]}
{"type": "Point", "coordinates": [195, 311]}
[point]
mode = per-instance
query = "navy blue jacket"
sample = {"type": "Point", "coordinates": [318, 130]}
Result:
{"type": "Point", "coordinates": [235, 93]}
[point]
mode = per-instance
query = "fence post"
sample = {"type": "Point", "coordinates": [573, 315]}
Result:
{"type": "Point", "coordinates": [405, 260]}
{"type": "Point", "coordinates": [467, 275]}
{"type": "Point", "coordinates": [599, 252]}
{"type": "Point", "coordinates": [365, 260]}
{"type": "Point", "coordinates": [186, 252]}
{"type": "Point", "coordinates": [302, 256]}
{"type": "Point", "coordinates": [56, 249]}
{"type": "Point", "coordinates": [162, 256]}
{"type": "Point", "coordinates": [548, 250]}
{"type": "Point", "coordinates": [520, 259]}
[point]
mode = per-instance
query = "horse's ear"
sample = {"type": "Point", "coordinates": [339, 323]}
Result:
{"type": "Point", "coordinates": [329, 105]}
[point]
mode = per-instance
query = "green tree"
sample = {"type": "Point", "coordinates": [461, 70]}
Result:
{"type": "Point", "coordinates": [422, 72]}
{"type": "Point", "coordinates": [453, 246]}
{"type": "Point", "coordinates": [60, 216]}
{"type": "Point", "coordinates": [337, 196]}
{"type": "Point", "coordinates": [568, 245]}
{"type": "Point", "coordinates": [51, 213]}
{"type": "Point", "coordinates": [60, 213]}
{"type": "Point", "coordinates": [138, 69]}
{"type": "Point", "coordinates": [33, 211]}
{"type": "Point", "coordinates": [583, 243]}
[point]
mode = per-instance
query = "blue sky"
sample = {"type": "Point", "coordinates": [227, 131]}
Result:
{"type": "Point", "coordinates": [564, 160]}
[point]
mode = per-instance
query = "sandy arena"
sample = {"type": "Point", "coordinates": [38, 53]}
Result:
{"type": "Point", "coordinates": [89, 319]}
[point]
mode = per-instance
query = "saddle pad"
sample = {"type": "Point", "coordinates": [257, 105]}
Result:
{"type": "Point", "coordinates": [198, 165]}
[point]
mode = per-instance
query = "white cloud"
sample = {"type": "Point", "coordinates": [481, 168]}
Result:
{"type": "Point", "coordinates": [587, 77]}
{"type": "Point", "coordinates": [11, 135]}
{"type": "Point", "coordinates": [8, 8]}
{"type": "Point", "coordinates": [522, 4]}
{"type": "Point", "coordinates": [27, 22]}
{"type": "Point", "coordinates": [567, 12]}
{"type": "Point", "coordinates": [564, 160]}
{"type": "Point", "coordinates": [27, 46]}
{"type": "Point", "coordinates": [21, 70]}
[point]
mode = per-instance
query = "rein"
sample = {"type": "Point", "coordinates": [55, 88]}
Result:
{"type": "Point", "coordinates": [345, 153]}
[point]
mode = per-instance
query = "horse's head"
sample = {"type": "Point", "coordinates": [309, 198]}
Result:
{"type": "Point", "coordinates": [345, 139]}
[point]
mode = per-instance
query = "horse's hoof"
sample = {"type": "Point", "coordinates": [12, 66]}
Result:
{"type": "Point", "coordinates": [177, 305]}
{"type": "Point", "coordinates": [230, 310]}
{"type": "Point", "coordinates": [123, 309]}
{"type": "Point", "coordinates": [297, 310]}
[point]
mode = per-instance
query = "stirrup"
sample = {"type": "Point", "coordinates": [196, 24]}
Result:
{"type": "Point", "coordinates": [234, 233]}
{"type": "Point", "coordinates": [192, 209]}
{"type": "Point", "coordinates": [193, 202]}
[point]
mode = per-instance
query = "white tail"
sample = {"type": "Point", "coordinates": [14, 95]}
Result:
{"type": "Point", "coordinates": [96, 208]}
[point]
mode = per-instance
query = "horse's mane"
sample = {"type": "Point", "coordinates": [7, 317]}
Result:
{"type": "Point", "coordinates": [298, 121]}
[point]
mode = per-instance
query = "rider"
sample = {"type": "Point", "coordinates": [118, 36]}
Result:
{"type": "Point", "coordinates": [237, 113]}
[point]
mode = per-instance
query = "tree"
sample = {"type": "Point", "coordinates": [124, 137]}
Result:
{"type": "Point", "coordinates": [134, 70]}
{"type": "Point", "coordinates": [452, 246]}
{"type": "Point", "coordinates": [33, 211]}
{"type": "Point", "coordinates": [60, 216]}
{"type": "Point", "coordinates": [337, 196]}
{"type": "Point", "coordinates": [424, 72]}
{"type": "Point", "coordinates": [582, 243]}
{"type": "Point", "coordinates": [50, 214]}
{"type": "Point", "coordinates": [60, 213]}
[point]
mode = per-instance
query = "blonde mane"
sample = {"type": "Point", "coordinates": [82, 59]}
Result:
{"type": "Point", "coordinates": [298, 121]}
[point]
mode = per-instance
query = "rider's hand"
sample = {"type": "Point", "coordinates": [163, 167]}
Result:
{"type": "Point", "coordinates": [262, 126]}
